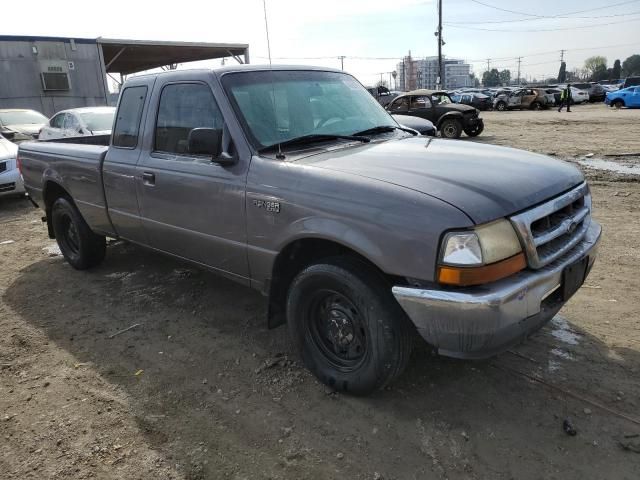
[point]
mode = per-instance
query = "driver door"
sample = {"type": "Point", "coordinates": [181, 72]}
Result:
{"type": "Point", "coordinates": [420, 106]}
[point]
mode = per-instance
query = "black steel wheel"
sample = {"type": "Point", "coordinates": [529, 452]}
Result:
{"type": "Point", "coordinates": [451, 128]}
{"type": "Point", "coordinates": [79, 245]}
{"type": "Point", "coordinates": [349, 330]}
{"type": "Point", "coordinates": [475, 130]}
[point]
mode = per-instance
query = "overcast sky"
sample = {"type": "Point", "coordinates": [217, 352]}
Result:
{"type": "Point", "coordinates": [360, 28]}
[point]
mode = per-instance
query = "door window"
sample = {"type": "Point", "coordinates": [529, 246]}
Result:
{"type": "Point", "coordinates": [127, 127]}
{"type": "Point", "coordinates": [71, 122]}
{"type": "Point", "coordinates": [183, 107]}
{"type": "Point", "coordinates": [420, 101]}
{"type": "Point", "coordinates": [57, 121]}
{"type": "Point", "coordinates": [400, 105]}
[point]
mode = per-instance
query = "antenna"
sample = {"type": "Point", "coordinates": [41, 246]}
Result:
{"type": "Point", "coordinates": [266, 27]}
{"type": "Point", "coordinates": [279, 155]}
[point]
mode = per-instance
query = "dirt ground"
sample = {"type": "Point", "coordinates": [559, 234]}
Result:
{"type": "Point", "coordinates": [200, 389]}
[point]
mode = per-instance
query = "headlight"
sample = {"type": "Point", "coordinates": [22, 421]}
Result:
{"type": "Point", "coordinates": [485, 254]}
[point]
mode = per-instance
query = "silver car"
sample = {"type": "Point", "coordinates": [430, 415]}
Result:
{"type": "Point", "coordinates": [10, 178]}
{"type": "Point", "coordinates": [19, 124]}
{"type": "Point", "coordinates": [79, 122]}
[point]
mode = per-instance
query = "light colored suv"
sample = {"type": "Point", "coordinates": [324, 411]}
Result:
{"type": "Point", "coordinates": [79, 122]}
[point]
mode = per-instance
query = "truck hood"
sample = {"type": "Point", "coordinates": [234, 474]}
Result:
{"type": "Point", "coordinates": [484, 181]}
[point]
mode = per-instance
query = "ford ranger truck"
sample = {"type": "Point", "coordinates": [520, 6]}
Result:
{"type": "Point", "coordinates": [294, 181]}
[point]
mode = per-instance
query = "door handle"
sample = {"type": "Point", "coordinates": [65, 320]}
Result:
{"type": "Point", "coordinates": [148, 178]}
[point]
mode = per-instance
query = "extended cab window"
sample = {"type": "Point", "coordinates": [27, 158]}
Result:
{"type": "Point", "coordinates": [127, 127]}
{"type": "Point", "coordinates": [183, 107]}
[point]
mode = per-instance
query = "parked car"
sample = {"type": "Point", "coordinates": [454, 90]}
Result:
{"type": "Point", "coordinates": [626, 97]}
{"type": "Point", "coordinates": [10, 178]}
{"type": "Point", "coordinates": [18, 124]}
{"type": "Point", "coordinates": [476, 100]}
{"type": "Point", "coordinates": [78, 122]}
{"type": "Point", "coordinates": [630, 82]}
{"type": "Point", "coordinates": [450, 118]}
{"type": "Point", "coordinates": [594, 90]}
{"type": "Point", "coordinates": [358, 232]}
{"type": "Point", "coordinates": [523, 98]}
{"type": "Point", "coordinates": [382, 94]}
{"type": "Point", "coordinates": [421, 125]}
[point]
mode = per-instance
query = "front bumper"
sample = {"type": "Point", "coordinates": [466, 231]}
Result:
{"type": "Point", "coordinates": [482, 321]}
{"type": "Point", "coordinates": [11, 182]}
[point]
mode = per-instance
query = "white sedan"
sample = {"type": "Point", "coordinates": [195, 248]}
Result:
{"type": "Point", "coordinates": [79, 122]}
{"type": "Point", "coordinates": [10, 178]}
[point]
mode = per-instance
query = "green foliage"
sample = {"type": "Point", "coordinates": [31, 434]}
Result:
{"type": "Point", "coordinates": [631, 66]}
{"type": "Point", "coordinates": [617, 70]}
{"type": "Point", "coordinates": [491, 78]}
{"type": "Point", "coordinates": [562, 74]}
{"type": "Point", "coordinates": [595, 65]}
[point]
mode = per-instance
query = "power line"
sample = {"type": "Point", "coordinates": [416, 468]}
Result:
{"type": "Point", "coordinates": [544, 29]}
{"type": "Point", "coordinates": [555, 17]}
{"type": "Point", "coordinates": [552, 16]}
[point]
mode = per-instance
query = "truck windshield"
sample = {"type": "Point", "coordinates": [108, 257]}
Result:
{"type": "Point", "coordinates": [278, 106]}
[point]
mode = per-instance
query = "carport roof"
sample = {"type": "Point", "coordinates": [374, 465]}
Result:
{"type": "Point", "coordinates": [130, 56]}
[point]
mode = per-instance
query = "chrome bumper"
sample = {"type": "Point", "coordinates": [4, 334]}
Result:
{"type": "Point", "coordinates": [482, 321]}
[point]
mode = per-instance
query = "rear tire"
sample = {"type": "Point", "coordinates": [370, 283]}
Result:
{"type": "Point", "coordinates": [536, 106]}
{"type": "Point", "coordinates": [451, 128]}
{"type": "Point", "coordinates": [349, 330]}
{"type": "Point", "coordinates": [81, 247]}
{"type": "Point", "coordinates": [475, 130]}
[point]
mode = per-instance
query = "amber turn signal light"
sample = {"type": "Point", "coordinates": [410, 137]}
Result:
{"type": "Point", "coordinates": [466, 276]}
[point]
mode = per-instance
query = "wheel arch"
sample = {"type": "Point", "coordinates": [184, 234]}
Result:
{"type": "Point", "coordinates": [297, 255]}
{"type": "Point", "coordinates": [448, 116]}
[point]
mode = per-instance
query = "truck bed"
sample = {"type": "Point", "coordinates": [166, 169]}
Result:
{"type": "Point", "coordinates": [76, 165]}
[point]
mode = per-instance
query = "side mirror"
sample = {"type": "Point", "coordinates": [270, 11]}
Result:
{"type": "Point", "coordinates": [205, 141]}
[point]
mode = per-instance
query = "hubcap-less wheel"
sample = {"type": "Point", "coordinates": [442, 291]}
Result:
{"type": "Point", "coordinates": [70, 236]}
{"type": "Point", "coordinates": [336, 329]}
{"type": "Point", "coordinates": [617, 105]}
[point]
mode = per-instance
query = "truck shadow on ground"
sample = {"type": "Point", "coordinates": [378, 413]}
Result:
{"type": "Point", "coordinates": [214, 375]}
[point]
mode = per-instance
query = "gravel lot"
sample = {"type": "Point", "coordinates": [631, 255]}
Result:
{"type": "Point", "coordinates": [202, 390]}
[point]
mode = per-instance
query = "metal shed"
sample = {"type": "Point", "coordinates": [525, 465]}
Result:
{"type": "Point", "coordinates": [50, 74]}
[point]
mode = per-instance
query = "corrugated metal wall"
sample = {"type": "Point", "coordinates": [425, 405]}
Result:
{"type": "Point", "coordinates": [23, 59]}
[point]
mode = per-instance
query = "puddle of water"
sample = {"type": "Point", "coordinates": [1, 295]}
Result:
{"type": "Point", "coordinates": [609, 166]}
{"type": "Point", "coordinates": [561, 331]}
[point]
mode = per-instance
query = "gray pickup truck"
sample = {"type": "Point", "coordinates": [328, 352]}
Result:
{"type": "Point", "coordinates": [296, 182]}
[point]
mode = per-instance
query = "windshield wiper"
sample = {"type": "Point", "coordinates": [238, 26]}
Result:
{"type": "Point", "coordinates": [384, 129]}
{"type": "Point", "coordinates": [312, 138]}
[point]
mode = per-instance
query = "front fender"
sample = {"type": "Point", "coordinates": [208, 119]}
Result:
{"type": "Point", "coordinates": [448, 115]}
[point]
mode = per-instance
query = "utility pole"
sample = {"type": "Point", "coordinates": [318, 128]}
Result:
{"type": "Point", "coordinates": [439, 33]}
{"type": "Point", "coordinates": [519, 61]}
{"type": "Point", "coordinates": [341, 57]}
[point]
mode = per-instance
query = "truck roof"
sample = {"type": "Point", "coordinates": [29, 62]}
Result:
{"type": "Point", "coordinates": [241, 68]}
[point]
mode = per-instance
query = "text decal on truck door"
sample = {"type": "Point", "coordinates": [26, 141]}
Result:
{"type": "Point", "coordinates": [270, 206]}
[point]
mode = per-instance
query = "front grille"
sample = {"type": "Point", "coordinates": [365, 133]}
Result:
{"type": "Point", "coordinates": [550, 230]}
{"type": "Point", "coordinates": [7, 187]}
{"type": "Point", "coordinates": [3, 167]}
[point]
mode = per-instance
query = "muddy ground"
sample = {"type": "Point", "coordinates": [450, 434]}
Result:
{"type": "Point", "coordinates": [202, 390]}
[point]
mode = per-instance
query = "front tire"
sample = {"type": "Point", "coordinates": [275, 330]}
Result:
{"type": "Point", "coordinates": [349, 330]}
{"type": "Point", "coordinates": [501, 106]}
{"type": "Point", "coordinates": [81, 247]}
{"type": "Point", "coordinates": [617, 104]}
{"type": "Point", "coordinates": [451, 128]}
